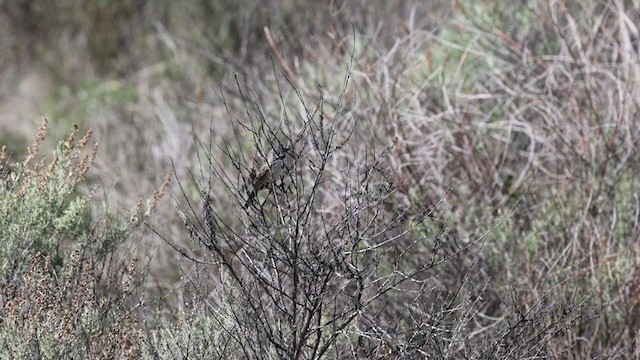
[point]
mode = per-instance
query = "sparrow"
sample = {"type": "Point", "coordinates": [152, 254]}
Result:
{"type": "Point", "coordinates": [270, 172]}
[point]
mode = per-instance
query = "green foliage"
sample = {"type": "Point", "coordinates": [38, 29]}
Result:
{"type": "Point", "coordinates": [41, 208]}
{"type": "Point", "coordinates": [52, 256]}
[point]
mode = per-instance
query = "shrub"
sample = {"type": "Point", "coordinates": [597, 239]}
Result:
{"type": "Point", "coordinates": [65, 290]}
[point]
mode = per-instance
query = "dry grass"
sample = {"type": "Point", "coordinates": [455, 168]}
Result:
{"type": "Point", "coordinates": [514, 127]}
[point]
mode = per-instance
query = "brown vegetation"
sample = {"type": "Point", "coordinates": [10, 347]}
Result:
{"type": "Point", "coordinates": [466, 180]}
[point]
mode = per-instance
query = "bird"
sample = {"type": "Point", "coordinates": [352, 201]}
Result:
{"type": "Point", "coordinates": [270, 172]}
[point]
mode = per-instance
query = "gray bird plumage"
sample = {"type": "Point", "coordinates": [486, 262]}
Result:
{"type": "Point", "coordinates": [270, 172]}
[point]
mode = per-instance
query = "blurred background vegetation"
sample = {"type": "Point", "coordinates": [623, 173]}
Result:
{"type": "Point", "coordinates": [515, 120]}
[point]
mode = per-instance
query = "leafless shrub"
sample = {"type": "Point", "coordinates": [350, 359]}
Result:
{"type": "Point", "coordinates": [321, 262]}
